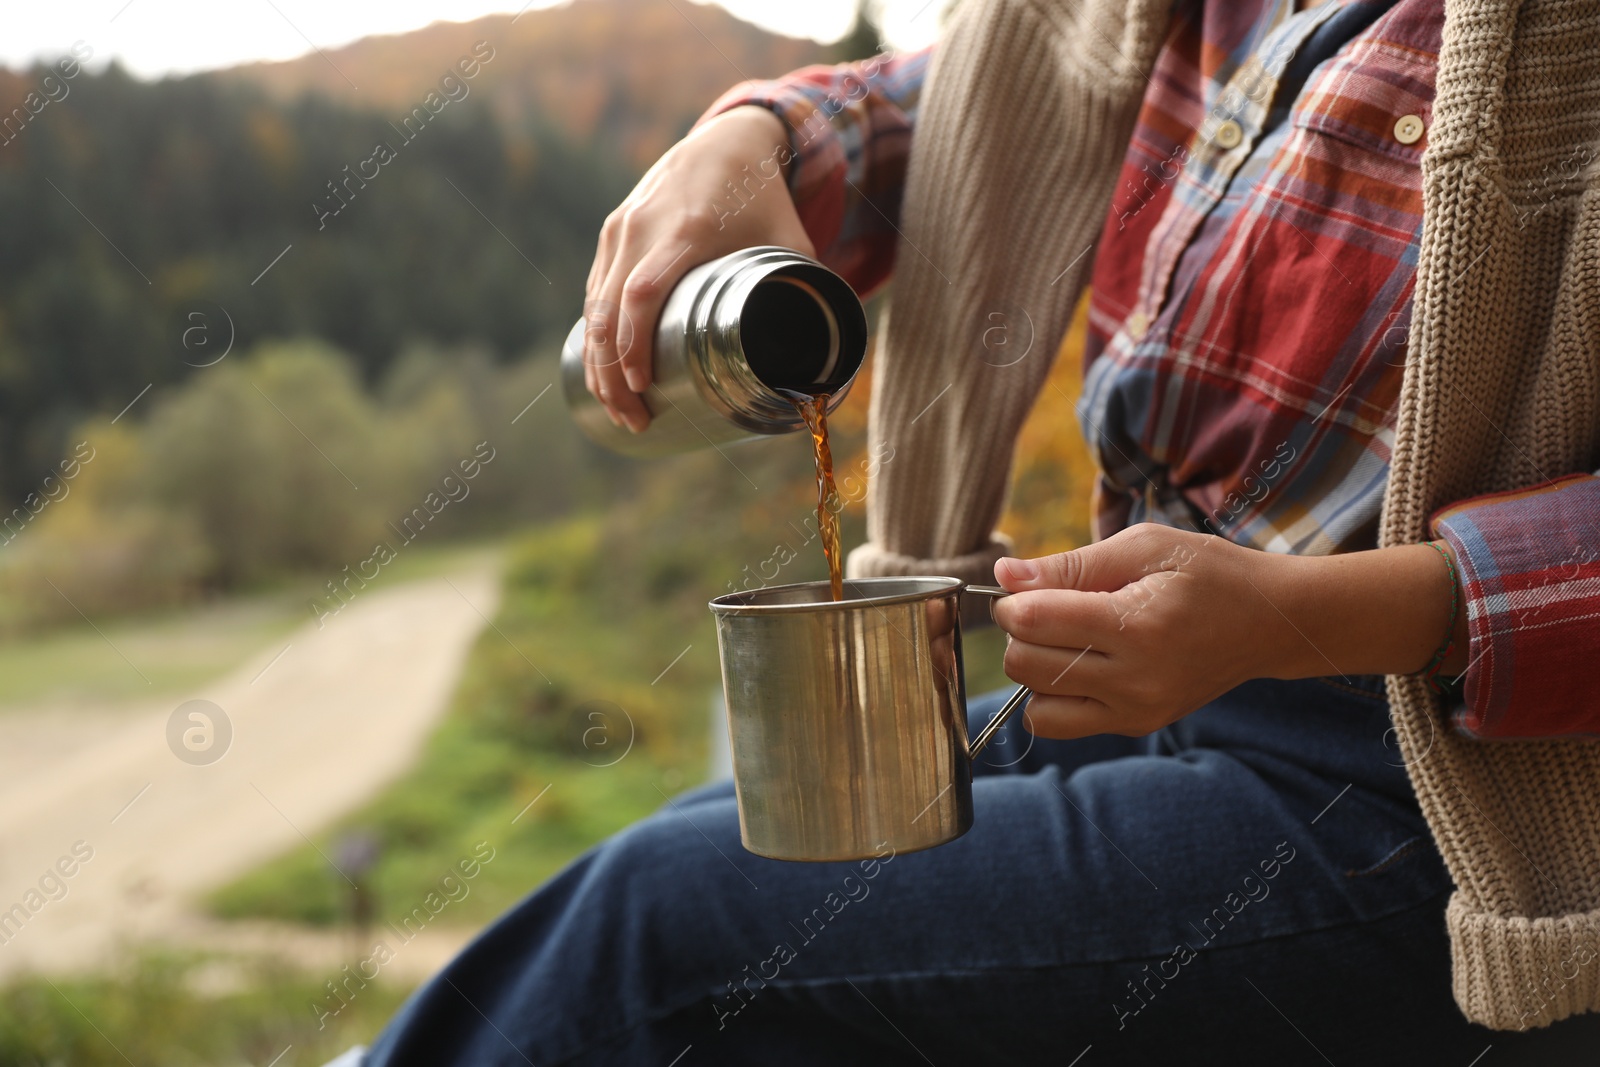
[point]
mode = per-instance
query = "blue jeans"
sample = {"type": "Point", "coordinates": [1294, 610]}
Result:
{"type": "Point", "coordinates": [1254, 883]}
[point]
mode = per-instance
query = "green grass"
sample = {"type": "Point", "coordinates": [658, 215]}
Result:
{"type": "Point", "coordinates": [185, 1012]}
{"type": "Point", "coordinates": [166, 654]}
{"type": "Point", "coordinates": [983, 650]}
{"type": "Point", "coordinates": [515, 735]}
{"type": "Point", "coordinates": [175, 651]}
{"type": "Point", "coordinates": [432, 560]}
{"type": "Point", "coordinates": [512, 737]}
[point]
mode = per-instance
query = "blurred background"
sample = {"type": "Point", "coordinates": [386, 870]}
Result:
{"type": "Point", "coordinates": [323, 635]}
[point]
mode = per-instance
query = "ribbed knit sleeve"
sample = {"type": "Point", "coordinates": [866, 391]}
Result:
{"type": "Point", "coordinates": [1026, 199]}
{"type": "Point", "coordinates": [1501, 388]}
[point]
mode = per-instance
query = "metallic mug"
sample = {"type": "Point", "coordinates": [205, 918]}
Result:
{"type": "Point", "coordinates": [732, 333]}
{"type": "Point", "coordinates": [847, 719]}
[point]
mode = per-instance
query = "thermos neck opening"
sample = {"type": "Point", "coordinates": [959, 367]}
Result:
{"type": "Point", "coordinates": [736, 338]}
{"type": "Point", "coordinates": [802, 329]}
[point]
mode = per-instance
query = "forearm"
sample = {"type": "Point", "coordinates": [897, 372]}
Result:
{"type": "Point", "coordinates": [1384, 611]}
{"type": "Point", "coordinates": [1129, 634]}
{"type": "Point", "coordinates": [848, 135]}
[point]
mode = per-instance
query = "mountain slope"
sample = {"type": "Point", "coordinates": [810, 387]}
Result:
{"type": "Point", "coordinates": [630, 75]}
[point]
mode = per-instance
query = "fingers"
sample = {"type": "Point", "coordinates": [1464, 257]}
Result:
{"type": "Point", "coordinates": [643, 294]}
{"type": "Point", "coordinates": [1064, 570]}
{"type": "Point", "coordinates": [609, 337]}
{"type": "Point", "coordinates": [1064, 618]}
{"type": "Point", "coordinates": [1104, 566]}
{"type": "Point", "coordinates": [1067, 717]}
{"type": "Point", "coordinates": [1057, 671]}
{"type": "Point", "coordinates": [1079, 692]}
{"type": "Point", "coordinates": [619, 349]}
{"type": "Point", "coordinates": [606, 335]}
{"type": "Point", "coordinates": [605, 252]}
{"type": "Point", "coordinates": [599, 315]}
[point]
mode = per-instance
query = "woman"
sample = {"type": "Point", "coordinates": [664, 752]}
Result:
{"type": "Point", "coordinates": [1340, 388]}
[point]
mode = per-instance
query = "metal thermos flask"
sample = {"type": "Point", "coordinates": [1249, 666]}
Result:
{"type": "Point", "coordinates": [732, 333]}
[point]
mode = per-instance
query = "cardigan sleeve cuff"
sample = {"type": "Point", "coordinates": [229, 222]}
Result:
{"type": "Point", "coordinates": [1529, 564]}
{"type": "Point", "coordinates": [974, 568]}
{"type": "Point", "coordinates": [871, 561]}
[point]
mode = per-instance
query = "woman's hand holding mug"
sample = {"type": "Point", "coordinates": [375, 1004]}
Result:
{"type": "Point", "coordinates": [1132, 633]}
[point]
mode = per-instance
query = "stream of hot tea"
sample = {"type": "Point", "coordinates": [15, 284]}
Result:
{"type": "Point", "coordinates": [814, 409]}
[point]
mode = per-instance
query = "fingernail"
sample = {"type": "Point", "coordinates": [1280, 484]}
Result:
{"type": "Point", "coordinates": [636, 424]}
{"type": "Point", "coordinates": [637, 380]}
{"type": "Point", "coordinates": [1022, 570]}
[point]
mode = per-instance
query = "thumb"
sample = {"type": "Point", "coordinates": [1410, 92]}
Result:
{"type": "Point", "coordinates": [1102, 567]}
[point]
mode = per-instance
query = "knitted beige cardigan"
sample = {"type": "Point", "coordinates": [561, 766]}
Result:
{"type": "Point", "coordinates": [1024, 124]}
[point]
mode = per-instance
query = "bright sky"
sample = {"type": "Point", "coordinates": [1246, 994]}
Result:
{"type": "Point", "coordinates": [156, 37]}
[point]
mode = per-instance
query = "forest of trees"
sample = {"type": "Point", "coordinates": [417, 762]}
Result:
{"type": "Point", "coordinates": [140, 217]}
{"type": "Point", "coordinates": [435, 206]}
{"type": "Point", "coordinates": [390, 273]}
{"type": "Point", "coordinates": [227, 300]}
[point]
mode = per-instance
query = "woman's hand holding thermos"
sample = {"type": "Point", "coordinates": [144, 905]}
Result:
{"type": "Point", "coordinates": [681, 214]}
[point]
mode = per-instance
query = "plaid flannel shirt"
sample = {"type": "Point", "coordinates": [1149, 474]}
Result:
{"type": "Point", "coordinates": [1250, 301]}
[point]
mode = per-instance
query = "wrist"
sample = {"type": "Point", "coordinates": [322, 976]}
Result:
{"type": "Point", "coordinates": [755, 133]}
{"type": "Point", "coordinates": [1383, 611]}
{"type": "Point", "coordinates": [1285, 589]}
{"type": "Point", "coordinates": [1455, 663]}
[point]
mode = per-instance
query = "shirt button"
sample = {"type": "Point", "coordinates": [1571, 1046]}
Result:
{"type": "Point", "coordinates": [1137, 324]}
{"type": "Point", "coordinates": [1408, 130]}
{"type": "Point", "coordinates": [1229, 134]}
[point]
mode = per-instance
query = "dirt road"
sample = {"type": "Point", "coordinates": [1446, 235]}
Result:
{"type": "Point", "coordinates": [319, 722]}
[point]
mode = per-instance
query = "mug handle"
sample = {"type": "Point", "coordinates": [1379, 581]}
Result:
{"type": "Point", "coordinates": [1019, 698]}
